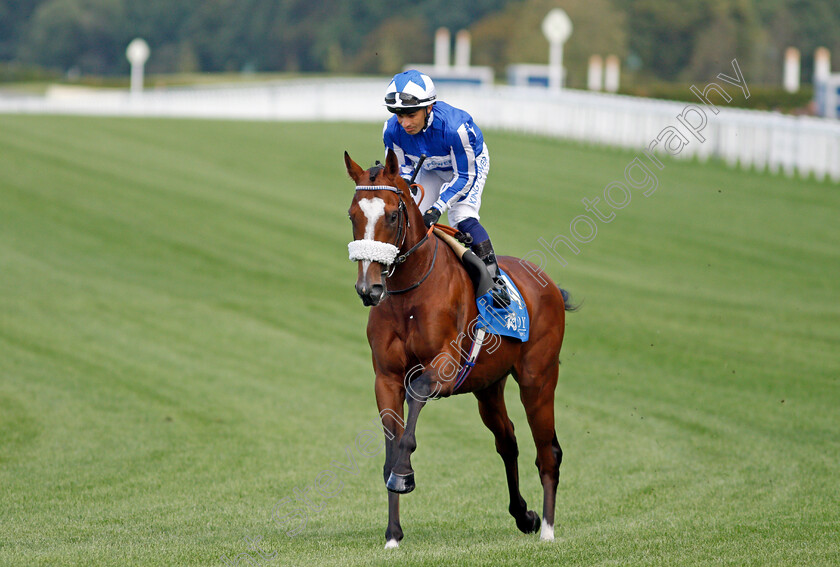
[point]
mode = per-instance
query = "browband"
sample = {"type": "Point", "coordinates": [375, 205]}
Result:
{"type": "Point", "coordinates": [378, 188]}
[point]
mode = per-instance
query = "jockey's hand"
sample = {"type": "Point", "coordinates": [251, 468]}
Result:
{"type": "Point", "coordinates": [431, 217]}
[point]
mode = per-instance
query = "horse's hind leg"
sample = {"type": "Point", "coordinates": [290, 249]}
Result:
{"type": "Point", "coordinates": [537, 394]}
{"type": "Point", "coordinates": [491, 406]}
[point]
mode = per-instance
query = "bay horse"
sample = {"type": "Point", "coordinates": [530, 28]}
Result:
{"type": "Point", "coordinates": [422, 305]}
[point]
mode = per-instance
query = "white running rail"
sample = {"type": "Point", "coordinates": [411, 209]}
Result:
{"type": "Point", "coordinates": [751, 139]}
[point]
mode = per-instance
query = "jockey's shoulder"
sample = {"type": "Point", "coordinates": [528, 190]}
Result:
{"type": "Point", "coordinates": [449, 115]}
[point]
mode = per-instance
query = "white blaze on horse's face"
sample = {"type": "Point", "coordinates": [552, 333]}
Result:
{"type": "Point", "coordinates": [374, 209]}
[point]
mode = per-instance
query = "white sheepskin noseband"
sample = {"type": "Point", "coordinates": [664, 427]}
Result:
{"type": "Point", "coordinates": [373, 251]}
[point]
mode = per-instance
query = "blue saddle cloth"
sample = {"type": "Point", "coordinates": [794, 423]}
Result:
{"type": "Point", "coordinates": [512, 321]}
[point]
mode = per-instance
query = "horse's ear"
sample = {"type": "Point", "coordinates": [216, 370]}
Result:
{"type": "Point", "coordinates": [392, 165]}
{"type": "Point", "coordinates": [354, 170]}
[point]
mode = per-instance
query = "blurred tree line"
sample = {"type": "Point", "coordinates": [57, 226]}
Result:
{"type": "Point", "coordinates": [657, 40]}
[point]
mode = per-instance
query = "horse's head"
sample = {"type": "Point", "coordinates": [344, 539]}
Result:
{"type": "Point", "coordinates": [379, 212]}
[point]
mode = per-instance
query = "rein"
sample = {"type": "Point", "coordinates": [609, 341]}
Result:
{"type": "Point", "coordinates": [431, 266]}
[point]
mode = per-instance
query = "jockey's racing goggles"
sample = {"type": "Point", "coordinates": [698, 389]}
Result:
{"type": "Point", "coordinates": [411, 102]}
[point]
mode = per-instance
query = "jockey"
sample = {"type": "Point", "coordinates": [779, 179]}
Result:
{"type": "Point", "coordinates": [456, 165]}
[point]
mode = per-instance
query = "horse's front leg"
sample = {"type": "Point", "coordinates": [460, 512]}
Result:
{"type": "Point", "coordinates": [390, 398]}
{"type": "Point", "coordinates": [401, 479]}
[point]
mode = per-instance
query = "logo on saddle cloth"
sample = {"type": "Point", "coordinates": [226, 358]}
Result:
{"type": "Point", "coordinates": [512, 321]}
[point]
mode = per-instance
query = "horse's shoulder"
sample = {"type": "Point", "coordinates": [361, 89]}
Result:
{"type": "Point", "coordinates": [382, 321]}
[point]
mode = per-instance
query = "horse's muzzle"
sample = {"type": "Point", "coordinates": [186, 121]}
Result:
{"type": "Point", "coordinates": [371, 295]}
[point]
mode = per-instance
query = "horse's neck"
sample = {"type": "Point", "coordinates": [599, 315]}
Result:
{"type": "Point", "coordinates": [415, 231]}
{"type": "Point", "coordinates": [432, 257]}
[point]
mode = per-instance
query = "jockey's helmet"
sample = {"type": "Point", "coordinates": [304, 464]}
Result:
{"type": "Point", "coordinates": [409, 91]}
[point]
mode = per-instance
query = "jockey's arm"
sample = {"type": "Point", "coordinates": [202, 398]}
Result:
{"type": "Point", "coordinates": [406, 165]}
{"type": "Point", "coordinates": [463, 166]}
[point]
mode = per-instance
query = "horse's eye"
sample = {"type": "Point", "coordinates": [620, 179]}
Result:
{"type": "Point", "coordinates": [394, 216]}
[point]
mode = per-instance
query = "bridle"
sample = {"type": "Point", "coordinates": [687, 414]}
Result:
{"type": "Point", "coordinates": [402, 232]}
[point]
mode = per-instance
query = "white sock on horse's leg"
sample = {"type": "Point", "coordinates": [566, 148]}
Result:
{"type": "Point", "coordinates": [547, 532]}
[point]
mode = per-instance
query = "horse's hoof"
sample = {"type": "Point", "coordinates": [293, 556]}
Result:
{"type": "Point", "coordinates": [530, 523]}
{"type": "Point", "coordinates": [402, 483]}
{"type": "Point", "coordinates": [392, 544]}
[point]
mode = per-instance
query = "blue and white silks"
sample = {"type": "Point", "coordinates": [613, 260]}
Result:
{"type": "Point", "coordinates": [451, 143]}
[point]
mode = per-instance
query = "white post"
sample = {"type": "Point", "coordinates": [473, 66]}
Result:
{"type": "Point", "coordinates": [137, 53]}
{"type": "Point", "coordinates": [611, 75]}
{"type": "Point", "coordinates": [555, 66]}
{"type": "Point", "coordinates": [822, 65]}
{"type": "Point", "coordinates": [593, 77]}
{"type": "Point", "coordinates": [442, 40]}
{"type": "Point", "coordinates": [462, 49]}
{"type": "Point", "coordinates": [557, 27]}
{"type": "Point", "coordinates": [791, 74]}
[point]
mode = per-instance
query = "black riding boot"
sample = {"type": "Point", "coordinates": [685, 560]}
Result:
{"type": "Point", "coordinates": [499, 292]}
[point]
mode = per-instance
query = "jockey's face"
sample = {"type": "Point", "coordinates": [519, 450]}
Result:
{"type": "Point", "coordinates": [413, 123]}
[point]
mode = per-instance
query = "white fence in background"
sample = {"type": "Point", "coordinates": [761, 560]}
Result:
{"type": "Point", "coordinates": [751, 139]}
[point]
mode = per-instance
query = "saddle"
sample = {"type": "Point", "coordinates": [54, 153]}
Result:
{"type": "Point", "coordinates": [482, 282]}
{"type": "Point", "coordinates": [512, 321]}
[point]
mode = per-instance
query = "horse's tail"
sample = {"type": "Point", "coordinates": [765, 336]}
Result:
{"type": "Point", "coordinates": [567, 300]}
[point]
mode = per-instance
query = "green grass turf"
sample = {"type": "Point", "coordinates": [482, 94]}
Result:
{"type": "Point", "coordinates": [181, 347]}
